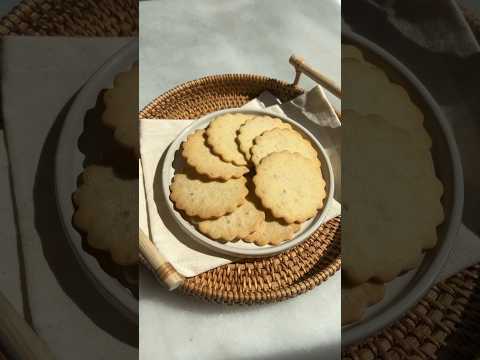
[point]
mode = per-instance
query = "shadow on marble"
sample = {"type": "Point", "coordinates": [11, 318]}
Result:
{"type": "Point", "coordinates": [151, 291]}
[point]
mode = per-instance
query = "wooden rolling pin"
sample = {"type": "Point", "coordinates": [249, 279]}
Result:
{"type": "Point", "coordinates": [301, 67]}
{"type": "Point", "coordinates": [17, 336]}
{"type": "Point", "coordinates": [159, 265]}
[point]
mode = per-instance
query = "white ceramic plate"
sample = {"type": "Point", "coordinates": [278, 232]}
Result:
{"type": "Point", "coordinates": [69, 164]}
{"type": "Point", "coordinates": [241, 248]}
{"type": "Point", "coordinates": [405, 291]}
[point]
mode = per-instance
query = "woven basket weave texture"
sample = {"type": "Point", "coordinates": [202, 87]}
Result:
{"type": "Point", "coordinates": [72, 18]}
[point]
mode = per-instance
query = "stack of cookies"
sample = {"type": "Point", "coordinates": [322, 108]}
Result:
{"type": "Point", "coordinates": [390, 192]}
{"type": "Point", "coordinates": [248, 177]}
{"type": "Point", "coordinates": [106, 201]}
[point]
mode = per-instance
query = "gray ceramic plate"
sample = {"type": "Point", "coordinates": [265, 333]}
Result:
{"type": "Point", "coordinates": [241, 248]}
{"type": "Point", "coordinates": [405, 291]}
{"type": "Point", "coordinates": [69, 164]}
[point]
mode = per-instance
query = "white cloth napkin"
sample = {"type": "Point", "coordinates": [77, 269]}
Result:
{"type": "Point", "coordinates": [465, 253]}
{"type": "Point", "coordinates": [186, 256]}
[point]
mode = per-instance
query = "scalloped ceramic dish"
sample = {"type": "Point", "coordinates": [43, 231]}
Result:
{"type": "Point", "coordinates": [241, 248]}
{"type": "Point", "coordinates": [405, 291]}
{"type": "Point", "coordinates": [69, 164]}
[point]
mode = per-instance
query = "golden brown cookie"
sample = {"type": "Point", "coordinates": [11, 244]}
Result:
{"type": "Point", "coordinates": [273, 232]}
{"type": "Point", "coordinates": [222, 135]}
{"type": "Point", "coordinates": [352, 52]}
{"type": "Point", "coordinates": [207, 199]}
{"type": "Point", "coordinates": [290, 186]}
{"type": "Point", "coordinates": [254, 127]}
{"type": "Point", "coordinates": [277, 140]}
{"type": "Point", "coordinates": [356, 300]}
{"type": "Point", "coordinates": [121, 109]}
{"type": "Point", "coordinates": [391, 199]}
{"type": "Point", "coordinates": [107, 211]}
{"type": "Point", "coordinates": [198, 155]}
{"type": "Point", "coordinates": [237, 225]}
{"type": "Point", "coordinates": [372, 93]}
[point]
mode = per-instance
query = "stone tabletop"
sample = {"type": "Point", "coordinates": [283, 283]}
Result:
{"type": "Point", "coordinates": [185, 40]}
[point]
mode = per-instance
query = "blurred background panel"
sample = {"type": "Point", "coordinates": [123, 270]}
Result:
{"type": "Point", "coordinates": [437, 44]}
{"type": "Point", "coordinates": [40, 277]}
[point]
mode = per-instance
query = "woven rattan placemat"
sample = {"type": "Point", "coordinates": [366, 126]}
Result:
{"type": "Point", "coordinates": [443, 325]}
{"type": "Point", "coordinates": [72, 18]}
{"type": "Point", "coordinates": [254, 280]}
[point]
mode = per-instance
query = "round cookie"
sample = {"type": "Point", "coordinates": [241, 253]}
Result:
{"type": "Point", "coordinates": [207, 199]}
{"type": "Point", "coordinates": [356, 300]}
{"type": "Point", "coordinates": [239, 224]}
{"type": "Point", "coordinates": [107, 211]}
{"type": "Point", "coordinates": [121, 109]}
{"type": "Point", "coordinates": [351, 52]}
{"type": "Point", "coordinates": [272, 232]}
{"type": "Point", "coordinates": [255, 127]}
{"type": "Point", "coordinates": [391, 197]}
{"type": "Point", "coordinates": [198, 155]}
{"type": "Point", "coordinates": [372, 93]}
{"type": "Point", "coordinates": [222, 136]}
{"type": "Point", "coordinates": [277, 140]}
{"type": "Point", "coordinates": [290, 186]}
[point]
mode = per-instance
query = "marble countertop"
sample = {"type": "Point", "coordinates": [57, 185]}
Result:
{"type": "Point", "coordinates": [186, 40]}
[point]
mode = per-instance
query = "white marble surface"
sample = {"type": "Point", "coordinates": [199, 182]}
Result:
{"type": "Point", "coordinates": [41, 76]}
{"type": "Point", "coordinates": [185, 40]}
{"type": "Point", "coordinates": [175, 326]}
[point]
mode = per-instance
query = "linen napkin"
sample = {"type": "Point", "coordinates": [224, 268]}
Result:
{"type": "Point", "coordinates": [438, 26]}
{"type": "Point", "coordinates": [465, 253]}
{"type": "Point", "coordinates": [185, 255]}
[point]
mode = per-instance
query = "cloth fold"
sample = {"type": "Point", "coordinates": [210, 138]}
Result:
{"type": "Point", "coordinates": [438, 26]}
{"type": "Point", "coordinates": [183, 253]}
{"type": "Point", "coordinates": [465, 253]}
